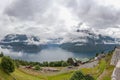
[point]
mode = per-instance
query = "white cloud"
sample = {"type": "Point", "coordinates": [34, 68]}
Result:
{"type": "Point", "coordinates": [56, 18]}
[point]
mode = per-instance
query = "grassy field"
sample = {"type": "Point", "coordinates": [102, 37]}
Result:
{"type": "Point", "coordinates": [63, 76]}
{"type": "Point", "coordinates": [102, 71]}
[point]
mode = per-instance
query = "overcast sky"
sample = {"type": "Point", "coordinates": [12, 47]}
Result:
{"type": "Point", "coordinates": [55, 18]}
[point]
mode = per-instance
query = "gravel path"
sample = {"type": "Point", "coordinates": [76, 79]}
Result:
{"type": "Point", "coordinates": [89, 65]}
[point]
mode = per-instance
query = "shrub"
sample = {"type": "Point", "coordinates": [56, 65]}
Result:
{"type": "Point", "coordinates": [45, 64]}
{"type": "Point", "coordinates": [37, 67]}
{"type": "Point", "coordinates": [17, 64]}
{"type": "Point", "coordinates": [1, 54]}
{"type": "Point", "coordinates": [64, 64]}
{"type": "Point", "coordinates": [88, 77]}
{"type": "Point", "coordinates": [78, 75]}
{"type": "Point", "coordinates": [70, 61]}
{"type": "Point", "coordinates": [7, 65]}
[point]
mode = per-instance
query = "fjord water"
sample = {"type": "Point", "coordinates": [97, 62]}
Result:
{"type": "Point", "coordinates": [49, 54]}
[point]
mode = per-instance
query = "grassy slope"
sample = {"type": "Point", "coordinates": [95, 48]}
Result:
{"type": "Point", "coordinates": [18, 75]}
{"type": "Point", "coordinates": [63, 76]}
{"type": "Point", "coordinates": [101, 72]}
{"type": "Point", "coordinates": [108, 70]}
{"type": "Point", "coordinates": [3, 75]}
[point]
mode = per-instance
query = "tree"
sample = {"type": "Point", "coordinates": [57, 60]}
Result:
{"type": "Point", "coordinates": [37, 67]}
{"type": "Point", "coordinates": [7, 64]}
{"type": "Point", "coordinates": [1, 54]}
{"type": "Point", "coordinates": [64, 64]}
{"type": "Point", "coordinates": [17, 64]}
{"type": "Point", "coordinates": [97, 54]}
{"type": "Point", "coordinates": [70, 61]}
{"type": "Point", "coordinates": [88, 77]}
{"type": "Point", "coordinates": [78, 75]}
{"type": "Point", "coordinates": [45, 64]}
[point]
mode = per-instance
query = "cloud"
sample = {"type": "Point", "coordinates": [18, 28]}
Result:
{"type": "Point", "coordinates": [27, 9]}
{"type": "Point", "coordinates": [57, 18]}
{"type": "Point", "coordinates": [94, 14]}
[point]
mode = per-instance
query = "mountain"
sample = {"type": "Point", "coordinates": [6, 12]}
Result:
{"type": "Point", "coordinates": [80, 41]}
{"type": "Point", "coordinates": [85, 41]}
{"type": "Point", "coordinates": [21, 42]}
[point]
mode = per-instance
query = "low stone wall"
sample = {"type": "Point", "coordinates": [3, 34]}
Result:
{"type": "Point", "coordinates": [115, 57]}
{"type": "Point", "coordinates": [116, 72]}
{"type": "Point", "coordinates": [116, 62]}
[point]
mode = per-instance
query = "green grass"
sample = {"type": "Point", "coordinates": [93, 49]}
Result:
{"type": "Point", "coordinates": [102, 71]}
{"type": "Point", "coordinates": [96, 71]}
{"type": "Point", "coordinates": [108, 70]}
{"type": "Point", "coordinates": [63, 76]}
{"type": "Point", "coordinates": [19, 75]}
{"type": "Point", "coordinates": [3, 75]}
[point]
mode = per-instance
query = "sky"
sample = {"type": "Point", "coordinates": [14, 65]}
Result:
{"type": "Point", "coordinates": [56, 18]}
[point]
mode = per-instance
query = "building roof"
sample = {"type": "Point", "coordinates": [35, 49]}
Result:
{"type": "Point", "coordinates": [82, 59]}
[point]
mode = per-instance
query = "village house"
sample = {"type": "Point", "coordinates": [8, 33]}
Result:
{"type": "Point", "coordinates": [81, 60]}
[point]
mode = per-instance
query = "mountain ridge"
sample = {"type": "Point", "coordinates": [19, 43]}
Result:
{"type": "Point", "coordinates": [75, 42]}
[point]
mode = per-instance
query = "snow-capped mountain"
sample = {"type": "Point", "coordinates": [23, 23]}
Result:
{"type": "Point", "coordinates": [77, 41]}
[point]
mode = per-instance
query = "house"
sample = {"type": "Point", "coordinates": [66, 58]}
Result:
{"type": "Point", "coordinates": [82, 60]}
{"type": "Point", "coordinates": [29, 67]}
{"type": "Point", "coordinates": [75, 62]}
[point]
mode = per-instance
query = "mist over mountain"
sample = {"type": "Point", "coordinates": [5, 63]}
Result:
{"type": "Point", "coordinates": [22, 43]}
{"type": "Point", "coordinates": [80, 41]}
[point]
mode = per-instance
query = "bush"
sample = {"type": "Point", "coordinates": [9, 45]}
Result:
{"type": "Point", "coordinates": [45, 64]}
{"type": "Point", "coordinates": [64, 64]}
{"type": "Point", "coordinates": [88, 77]}
{"type": "Point", "coordinates": [37, 67]}
{"type": "Point", "coordinates": [17, 64]}
{"type": "Point", "coordinates": [78, 75]}
{"type": "Point", "coordinates": [55, 64]}
{"type": "Point", "coordinates": [1, 54]}
{"type": "Point", "coordinates": [70, 61]}
{"type": "Point", "coordinates": [7, 65]}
